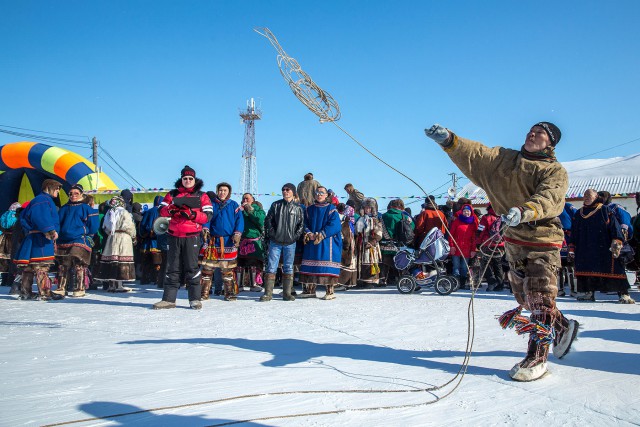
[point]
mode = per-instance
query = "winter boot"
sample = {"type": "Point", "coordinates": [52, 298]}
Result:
{"type": "Point", "coordinates": [163, 305]}
{"type": "Point", "coordinates": [585, 296]}
{"type": "Point", "coordinates": [541, 336]}
{"type": "Point", "coordinates": [44, 285]}
{"type": "Point", "coordinates": [253, 275]}
{"type": "Point", "coordinates": [625, 298]}
{"type": "Point", "coordinates": [15, 285]}
{"type": "Point", "coordinates": [329, 295]}
{"type": "Point", "coordinates": [230, 286]}
{"type": "Point", "coordinates": [62, 281]}
{"type": "Point", "coordinates": [240, 278]}
{"type": "Point", "coordinates": [308, 291]}
{"type": "Point", "coordinates": [270, 280]}
{"type": "Point", "coordinates": [566, 332]}
{"type": "Point", "coordinates": [79, 289]}
{"type": "Point", "coordinates": [25, 285]}
{"type": "Point", "coordinates": [287, 287]}
{"type": "Point", "coordinates": [195, 304]}
{"type": "Point", "coordinates": [534, 365]}
{"type": "Point", "coordinates": [205, 282]}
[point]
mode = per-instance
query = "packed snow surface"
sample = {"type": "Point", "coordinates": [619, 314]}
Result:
{"type": "Point", "coordinates": [110, 354]}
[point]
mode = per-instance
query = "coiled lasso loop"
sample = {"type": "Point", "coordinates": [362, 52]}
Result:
{"type": "Point", "coordinates": [321, 103]}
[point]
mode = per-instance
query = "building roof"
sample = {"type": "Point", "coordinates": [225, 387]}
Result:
{"type": "Point", "coordinates": [617, 175]}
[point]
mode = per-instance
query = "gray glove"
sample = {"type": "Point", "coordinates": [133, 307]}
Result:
{"type": "Point", "coordinates": [438, 133]}
{"type": "Point", "coordinates": [512, 218]}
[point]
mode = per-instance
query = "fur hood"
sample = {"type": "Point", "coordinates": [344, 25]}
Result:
{"type": "Point", "coordinates": [369, 201]}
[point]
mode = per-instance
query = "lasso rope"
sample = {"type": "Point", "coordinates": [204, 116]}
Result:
{"type": "Point", "coordinates": [327, 109]}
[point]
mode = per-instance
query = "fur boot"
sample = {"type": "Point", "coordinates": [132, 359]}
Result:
{"type": "Point", "coordinates": [44, 284]}
{"type": "Point", "coordinates": [205, 282]}
{"type": "Point", "coordinates": [62, 281]}
{"type": "Point", "coordinates": [229, 284]}
{"type": "Point", "coordinates": [329, 295]}
{"type": "Point", "coordinates": [308, 291]}
{"type": "Point", "coordinates": [566, 332]}
{"type": "Point", "coordinates": [80, 275]}
{"type": "Point", "coordinates": [541, 336]}
{"type": "Point", "coordinates": [26, 285]}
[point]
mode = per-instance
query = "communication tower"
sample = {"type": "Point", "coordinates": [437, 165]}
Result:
{"type": "Point", "coordinates": [249, 166]}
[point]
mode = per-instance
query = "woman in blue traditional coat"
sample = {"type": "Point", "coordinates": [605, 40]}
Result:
{"type": "Point", "coordinates": [323, 247]}
{"type": "Point", "coordinates": [596, 240]}
{"type": "Point", "coordinates": [151, 253]}
{"type": "Point", "coordinates": [40, 223]}
{"type": "Point", "coordinates": [222, 238]}
{"type": "Point", "coordinates": [78, 223]}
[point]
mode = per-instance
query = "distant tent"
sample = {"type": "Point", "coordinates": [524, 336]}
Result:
{"type": "Point", "coordinates": [25, 165]}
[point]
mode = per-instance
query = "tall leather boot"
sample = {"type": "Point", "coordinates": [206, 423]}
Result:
{"type": "Point", "coordinates": [205, 282]}
{"type": "Point", "coordinates": [26, 285]}
{"type": "Point", "coordinates": [270, 280]}
{"type": "Point", "coordinates": [240, 277]}
{"type": "Point", "coordinates": [287, 287]}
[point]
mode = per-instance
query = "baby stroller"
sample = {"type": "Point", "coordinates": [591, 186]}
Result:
{"type": "Point", "coordinates": [425, 266]}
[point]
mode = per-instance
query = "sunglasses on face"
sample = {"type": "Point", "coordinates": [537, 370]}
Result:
{"type": "Point", "coordinates": [320, 193]}
{"type": "Point", "coordinates": [75, 194]}
{"type": "Point", "coordinates": [187, 178]}
{"type": "Point", "coordinates": [286, 189]}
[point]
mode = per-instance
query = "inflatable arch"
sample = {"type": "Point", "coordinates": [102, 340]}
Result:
{"type": "Point", "coordinates": [24, 165]}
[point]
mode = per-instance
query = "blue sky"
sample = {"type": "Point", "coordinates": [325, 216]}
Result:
{"type": "Point", "coordinates": [159, 83]}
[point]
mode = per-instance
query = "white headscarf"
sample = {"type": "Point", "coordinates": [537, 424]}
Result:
{"type": "Point", "coordinates": [112, 218]}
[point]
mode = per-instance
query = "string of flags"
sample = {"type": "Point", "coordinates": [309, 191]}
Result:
{"type": "Point", "coordinates": [272, 194]}
{"type": "Point", "coordinates": [275, 194]}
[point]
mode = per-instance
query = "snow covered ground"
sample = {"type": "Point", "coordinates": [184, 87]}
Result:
{"type": "Point", "coordinates": [109, 354]}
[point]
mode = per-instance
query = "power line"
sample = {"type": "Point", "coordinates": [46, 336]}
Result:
{"type": "Point", "coordinates": [101, 147]}
{"type": "Point", "coordinates": [116, 171]}
{"type": "Point", "coordinates": [43, 131]}
{"type": "Point", "coordinates": [607, 149]}
{"type": "Point", "coordinates": [50, 139]}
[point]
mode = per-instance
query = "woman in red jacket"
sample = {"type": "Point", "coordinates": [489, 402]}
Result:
{"type": "Point", "coordinates": [463, 232]}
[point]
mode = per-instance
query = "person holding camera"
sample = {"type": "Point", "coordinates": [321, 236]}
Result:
{"type": "Point", "coordinates": [189, 208]}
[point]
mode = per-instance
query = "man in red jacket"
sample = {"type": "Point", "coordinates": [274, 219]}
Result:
{"type": "Point", "coordinates": [188, 208]}
{"type": "Point", "coordinates": [430, 217]}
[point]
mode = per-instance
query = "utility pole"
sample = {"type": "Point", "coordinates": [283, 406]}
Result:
{"type": "Point", "coordinates": [94, 146]}
{"type": "Point", "coordinates": [453, 190]}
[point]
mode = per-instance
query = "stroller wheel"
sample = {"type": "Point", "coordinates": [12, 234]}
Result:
{"type": "Point", "coordinates": [456, 283]}
{"type": "Point", "coordinates": [445, 285]}
{"type": "Point", "coordinates": [406, 284]}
